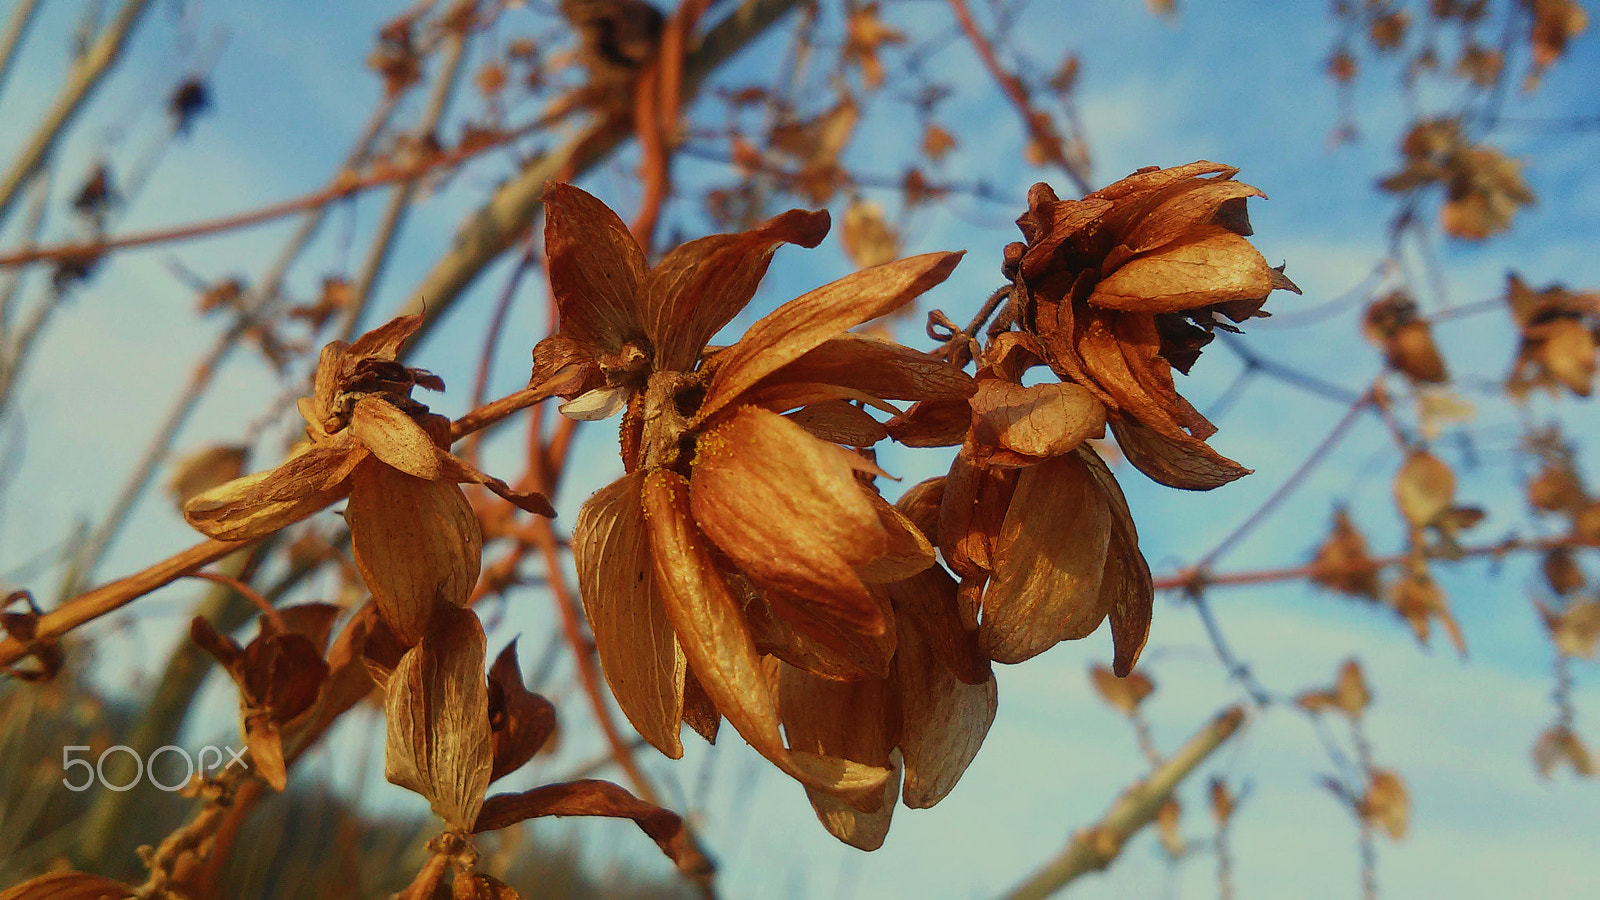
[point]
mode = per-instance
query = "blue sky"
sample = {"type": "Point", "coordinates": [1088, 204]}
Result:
{"type": "Point", "coordinates": [1238, 83]}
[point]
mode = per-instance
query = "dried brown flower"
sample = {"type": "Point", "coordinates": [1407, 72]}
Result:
{"type": "Point", "coordinates": [1128, 284]}
{"type": "Point", "coordinates": [1560, 332]}
{"type": "Point", "coordinates": [415, 538]}
{"type": "Point", "coordinates": [731, 511]}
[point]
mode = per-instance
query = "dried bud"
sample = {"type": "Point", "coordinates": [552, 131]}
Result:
{"type": "Point", "coordinates": [1126, 285]}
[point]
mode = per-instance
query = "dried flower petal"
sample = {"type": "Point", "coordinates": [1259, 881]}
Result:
{"type": "Point", "coordinates": [804, 323]}
{"type": "Point", "coordinates": [439, 741]}
{"type": "Point", "coordinates": [944, 720]}
{"type": "Point", "coordinates": [416, 542]}
{"type": "Point", "coordinates": [789, 512]}
{"type": "Point", "coordinates": [716, 642]}
{"type": "Point", "coordinates": [1051, 557]}
{"type": "Point", "coordinates": [638, 651]}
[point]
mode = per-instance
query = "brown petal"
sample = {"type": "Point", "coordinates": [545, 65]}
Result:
{"type": "Point", "coordinates": [1050, 560]}
{"type": "Point", "coordinates": [1124, 694]}
{"type": "Point", "coordinates": [593, 798]}
{"type": "Point", "coordinates": [256, 505]}
{"type": "Point", "coordinates": [700, 286]}
{"type": "Point", "coordinates": [639, 653]}
{"type": "Point", "coordinates": [478, 886]}
{"type": "Point", "coordinates": [699, 712]}
{"type": "Point", "coordinates": [395, 438]}
{"type": "Point", "coordinates": [783, 397]}
{"type": "Point", "coordinates": [204, 469]}
{"type": "Point", "coordinates": [520, 721]}
{"type": "Point", "coordinates": [596, 268]}
{"type": "Point", "coordinates": [932, 423]}
{"type": "Point", "coordinates": [313, 620]}
{"type": "Point", "coordinates": [1558, 744]}
{"type": "Point", "coordinates": [67, 886]}
{"type": "Point", "coordinates": [921, 503]}
{"type": "Point", "coordinates": [718, 645]}
{"type": "Point", "coordinates": [1041, 421]}
{"type": "Point", "coordinates": [856, 720]}
{"type": "Point", "coordinates": [778, 636]}
{"type": "Point", "coordinates": [928, 601]}
{"type": "Point", "coordinates": [266, 752]}
{"type": "Point", "coordinates": [804, 323]}
{"type": "Point", "coordinates": [788, 510]}
{"type": "Point", "coordinates": [877, 367]}
{"type": "Point", "coordinates": [454, 468]}
{"type": "Point", "coordinates": [384, 341]}
{"type": "Point", "coordinates": [840, 422]}
{"type": "Point", "coordinates": [439, 742]}
{"type": "Point", "coordinates": [1188, 464]}
{"type": "Point", "coordinates": [1195, 204]}
{"type": "Point", "coordinates": [907, 551]}
{"type": "Point", "coordinates": [1424, 488]}
{"type": "Point", "coordinates": [1211, 265]}
{"type": "Point", "coordinates": [1126, 590]}
{"type": "Point", "coordinates": [283, 674]}
{"type": "Point", "coordinates": [862, 830]}
{"type": "Point", "coordinates": [1386, 803]}
{"type": "Point", "coordinates": [944, 719]}
{"type": "Point", "coordinates": [416, 543]}
{"type": "Point", "coordinates": [1152, 178]}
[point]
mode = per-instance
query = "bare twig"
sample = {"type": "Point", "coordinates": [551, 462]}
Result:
{"type": "Point", "coordinates": [1094, 848]}
{"type": "Point", "coordinates": [401, 195]}
{"type": "Point", "coordinates": [85, 75]}
{"type": "Point", "coordinates": [21, 17]}
{"type": "Point", "coordinates": [498, 224]}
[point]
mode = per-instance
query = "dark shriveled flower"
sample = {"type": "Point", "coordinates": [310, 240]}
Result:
{"type": "Point", "coordinates": [1128, 284]}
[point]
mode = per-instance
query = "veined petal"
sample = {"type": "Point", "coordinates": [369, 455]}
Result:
{"type": "Point", "coordinates": [416, 543]}
{"type": "Point", "coordinates": [1181, 462]}
{"type": "Point", "coordinates": [596, 268]}
{"type": "Point", "coordinates": [716, 642]}
{"type": "Point", "coordinates": [878, 368]}
{"type": "Point", "coordinates": [907, 551]}
{"type": "Point", "coordinates": [639, 653]}
{"type": "Point", "coordinates": [257, 505]}
{"type": "Point", "coordinates": [788, 511]}
{"type": "Point", "coordinates": [839, 422]}
{"type": "Point", "coordinates": [1187, 206]}
{"type": "Point", "coordinates": [1210, 265]}
{"type": "Point", "coordinates": [1050, 558]}
{"type": "Point", "coordinates": [700, 286]}
{"type": "Point", "coordinates": [944, 721]}
{"type": "Point", "coordinates": [804, 323]}
{"type": "Point", "coordinates": [1126, 591]}
{"type": "Point", "coordinates": [437, 703]}
{"type": "Point", "coordinates": [928, 601]}
{"type": "Point", "coordinates": [850, 719]}
{"type": "Point", "coordinates": [384, 341]}
{"type": "Point", "coordinates": [395, 438]}
{"type": "Point", "coordinates": [1041, 421]}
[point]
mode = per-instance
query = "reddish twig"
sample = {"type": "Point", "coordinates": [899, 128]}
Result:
{"type": "Point", "coordinates": [1036, 120]}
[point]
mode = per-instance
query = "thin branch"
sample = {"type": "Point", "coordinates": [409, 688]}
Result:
{"type": "Point", "coordinates": [400, 197]}
{"type": "Point", "coordinates": [259, 304]}
{"type": "Point", "coordinates": [347, 187]}
{"type": "Point", "coordinates": [1188, 579]}
{"type": "Point", "coordinates": [1288, 487]}
{"type": "Point", "coordinates": [85, 75]}
{"type": "Point", "coordinates": [1036, 121]}
{"type": "Point", "coordinates": [20, 19]}
{"type": "Point", "coordinates": [111, 597]}
{"type": "Point", "coordinates": [1094, 848]}
{"type": "Point", "coordinates": [498, 224]}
